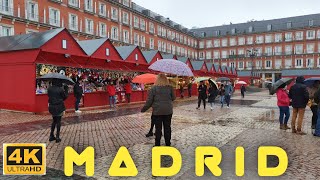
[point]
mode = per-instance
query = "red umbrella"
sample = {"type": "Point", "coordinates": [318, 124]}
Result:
{"type": "Point", "coordinates": [145, 79]}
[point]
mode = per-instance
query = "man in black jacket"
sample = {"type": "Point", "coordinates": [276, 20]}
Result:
{"type": "Point", "coordinates": [78, 93]}
{"type": "Point", "coordinates": [299, 96]}
{"type": "Point", "coordinates": [202, 94]}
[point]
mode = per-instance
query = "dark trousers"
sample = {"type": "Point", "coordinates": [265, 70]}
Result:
{"type": "Point", "coordinates": [242, 94]}
{"type": "Point", "coordinates": [56, 123]}
{"type": "Point", "coordinates": [181, 93]}
{"type": "Point", "coordinates": [77, 103]}
{"type": "Point", "coordinates": [284, 113]}
{"type": "Point", "coordinates": [164, 120]}
{"type": "Point", "coordinates": [199, 102]}
{"type": "Point", "coordinates": [189, 92]}
{"type": "Point", "coordinates": [314, 110]}
{"type": "Point", "coordinates": [152, 124]}
{"type": "Point", "coordinates": [227, 98]}
{"type": "Point", "coordinates": [128, 96]}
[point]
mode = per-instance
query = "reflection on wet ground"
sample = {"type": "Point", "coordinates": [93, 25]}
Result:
{"type": "Point", "coordinates": [123, 111]}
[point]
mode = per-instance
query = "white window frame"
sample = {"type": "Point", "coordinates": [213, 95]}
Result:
{"type": "Point", "coordinates": [310, 48]}
{"type": "Point", "coordinates": [103, 7]}
{"type": "Point", "coordinates": [233, 42]}
{"type": "Point", "coordinates": [33, 16]}
{"type": "Point", "coordinates": [88, 5]}
{"type": "Point", "coordinates": [7, 9]}
{"type": "Point", "coordinates": [89, 24]}
{"type": "Point", "coordinates": [224, 54]}
{"type": "Point", "coordinates": [311, 34]}
{"type": "Point", "coordinates": [259, 39]}
{"type": "Point", "coordinates": [268, 51]}
{"type": "Point", "coordinates": [286, 50]}
{"type": "Point", "coordinates": [201, 44]}
{"type": "Point", "coordinates": [268, 64]}
{"type": "Point", "coordinates": [299, 35]}
{"type": "Point", "coordinates": [298, 49]}
{"type": "Point", "coordinates": [142, 24]}
{"type": "Point", "coordinates": [125, 18]}
{"type": "Point", "coordinates": [9, 28]}
{"type": "Point", "coordinates": [151, 45]}
{"type": "Point", "coordinates": [309, 63]}
{"type": "Point", "coordinates": [241, 41]}
{"type": "Point", "coordinates": [278, 64]}
{"type": "Point", "coordinates": [298, 63]}
{"type": "Point", "coordinates": [288, 36]}
{"type": "Point", "coordinates": [250, 40]}
{"type": "Point", "coordinates": [143, 41]}
{"type": "Point", "coordinates": [102, 29]}
{"type": "Point", "coordinates": [318, 64]}
{"type": "Point", "coordinates": [114, 13]}
{"type": "Point", "coordinates": [318, 34]}
{"type": "Point", "coordinates": [268, 38]}
{"type": "Point", "coordinates": [278, 37]}
{"type": "Point", "coordinates": [115, 33]}
{"type": "Point", "coordinates": [73, 25]}
{"type": "Point", "coordinates": [209, 44]}
{"type": "Point", "coordinates": [242, 65]}
{"type": "Point", "coordinates": [216, 54]}
{"type": "Point", "coordinates": [278, 50]}
{"type": "Point", "coordinates": [126, 36]}
{"type": "Point", "coordinates": [151, 28]}
{"type": "Point", "coordinates": [217, 43]}
{"type": "Point", "coordinates": [52, 21]}
{"type": "Point", "coordinates": [224, 43]}
{"type": "Point", "coordinates": [288, 63]}
{"type": "Point", "coordinates": [74, 3]}
{"type": "Point", "coordinates": [136, 22]}
{"type": "Point", "coordinates": [208, 55]}
{"type": "Point", "coordinates": [136, 39]}
{"type": "Point", "coordinates": [126, 3]}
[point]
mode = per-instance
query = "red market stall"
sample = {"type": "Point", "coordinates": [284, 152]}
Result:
{"type": "Point", "coordinates": [200, 69]}
{"type": "Point", "coordinates": [152, 56]}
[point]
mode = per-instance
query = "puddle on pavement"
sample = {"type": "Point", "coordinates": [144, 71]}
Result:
{"type": "Point", "coordinates": [268, 116]}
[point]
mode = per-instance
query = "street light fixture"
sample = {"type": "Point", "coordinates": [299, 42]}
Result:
{"type": "Point", "coordinates": [252, 54]}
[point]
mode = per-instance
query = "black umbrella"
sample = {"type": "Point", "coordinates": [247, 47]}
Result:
{"type": "Point", "coordinates": [220, 79]}
{"type": "Point", "coordinates": [62, 77]}
{"type": "Point", "coordinates": [279, 83]}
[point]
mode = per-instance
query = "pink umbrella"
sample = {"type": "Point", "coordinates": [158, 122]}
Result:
{"type": "Point", "coordinates": [242, 82]}
{"type": "Point", "coordinates": [171, 66]}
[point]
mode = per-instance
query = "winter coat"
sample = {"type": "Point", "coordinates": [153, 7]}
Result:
{"type": "Point", "coordinates": [228, 90]}
{"type": "Point", "coordinates": [160, 98]}
{"type": "Point", "coordinates": [57, 96]}
{"type": "Point", "coordinates": [213, 92]}
{"type": "Point", "coordinates": [77, 90]}
{"type": "Point", "coordinates": [283, 97]}
{"type": "Point", "coordinates": [111, 90]}
{"type": "Point", "coordinates": [128, 89]}
{"type": "Point", "coordinates": [202, 92]}
{"type": "Point", "coordinates": [299, 94]}
{"type": "Point", "coordinates": [222, 91]}
{"type": "Point", "coordinates": [243, 89]}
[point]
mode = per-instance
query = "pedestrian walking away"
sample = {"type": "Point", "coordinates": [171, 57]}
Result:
{"type": "Point", "coordinates": [190, 89]}
{"type": "Point", "coordinates": [222, 93]}
{"type": "Point", "coordinates": [202, 95]}
{"type": "Point", "coordinates": [57, 95]}
{"type": "Point", "coordinates": [212, 92]}
{"type": "Point", "coordinates": [312, 104]}
{"type": "Point", "coordinates": [283, 102]}
{"type": "Point", "coordinates": [128, 90]}
{"type": "Point", "coordinates": [228, 92]}
{"type": "Point", "coordinates": [160, 98]}
{"type": "Point", "coordinates": [111, 90]}
{"type": "Point", "coordinates": [181, 90]}
{"type": "Point", "coordinates": [78, 93]}
{"type": "Point", "coordinates": [243, 90]}
{"type": "Point", "coordinates": [299, 95]}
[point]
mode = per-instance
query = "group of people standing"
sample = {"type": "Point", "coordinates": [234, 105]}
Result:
{"type": "Point", "coordinates": [299, 96]}
{"type": "Point", "coordinates": [225, 91]}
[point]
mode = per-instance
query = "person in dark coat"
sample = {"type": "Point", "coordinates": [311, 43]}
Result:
{"type": "Point", "coordinates": [202, 95]}
{"type": "Point", "coordinates": [160, 98]}
{"type": "Point", "coordinates": [243, 90]}
{"type": "Point", "coordinates": [300, 97]}
{"type": "Point", "coordinates": [150, 133]}
{"type": "Point", "coordinates": [190, 89]}
{"type": "Point", "coordinates": [213, 92]}
{"type": "Point", "coordinates": [78, 93]}
{"type": "Point", "coordinates": [57, 95]}
{"type": "Point", "coordinates": [222, 92]}
{"type": "Point", "coordinates": [181, 88]}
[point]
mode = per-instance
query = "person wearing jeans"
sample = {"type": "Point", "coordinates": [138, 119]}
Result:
{"type": "Point", "coordinates": [313, 105]}
{"type": "Point", "coordinates": [228, 91]}
{"type": "Point", "coordinates": [299, 95]}
{"type": "Point", "coordinates": [283, 103]}
{"type": "Point", "coordinates": [111, 90]}
{"type": "Point", "coordinates": [160, 98]}
{"type": "Point", "coordinates": [222, 93]}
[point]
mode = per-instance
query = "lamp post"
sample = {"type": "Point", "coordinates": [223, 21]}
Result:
{"type": "Point", "coordinates": [252, 54]}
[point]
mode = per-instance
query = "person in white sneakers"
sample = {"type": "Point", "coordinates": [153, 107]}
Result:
{"type": "Point", "coordinates": [78, 93]}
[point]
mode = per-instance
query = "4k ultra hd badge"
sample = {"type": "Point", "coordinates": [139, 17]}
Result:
{"type": "Point", "coordinates": [24, 159]}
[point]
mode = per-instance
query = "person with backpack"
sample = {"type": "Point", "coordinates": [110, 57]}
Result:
{"type": "Point", "coordinates": [312, 104]}
{"type": "Point", "coordinates": [300, 97]}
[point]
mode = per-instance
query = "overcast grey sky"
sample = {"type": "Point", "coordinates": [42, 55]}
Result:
{"type": "Point", "coordinates": [204, 13]}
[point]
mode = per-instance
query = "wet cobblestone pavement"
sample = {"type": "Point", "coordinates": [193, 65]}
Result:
{"type": "Point", "coordinates": [249, 122]}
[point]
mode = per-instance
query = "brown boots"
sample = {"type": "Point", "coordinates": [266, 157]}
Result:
{"type": "Point", "coordinates": [284, 127]}
{"type": "Point", "coordinates": [298, 131]}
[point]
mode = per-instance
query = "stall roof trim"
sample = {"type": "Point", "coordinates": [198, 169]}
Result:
{"type": "Point", "coordinates": [125, 51]}
{"type": "Point", "coordinates": [301, 72]}
{"type": "Point", "coordinates": [197, 65]}
{"type": "Point", "coordinates": [91, 46]}
{"type": "Point", "coordinates": [27, 41]}
{"type": "Point", "coordinates": [216, 67]}
{"type": "Point", "coordinates": [149, 55]}
{"type": "Point", "coordinates": [209, 66]}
